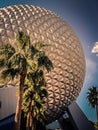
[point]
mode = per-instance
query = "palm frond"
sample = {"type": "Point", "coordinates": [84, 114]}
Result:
{"type": "Point", "coordinates": [6, 51]}
{"type": "Point", "coordinates": [10, 73]}
{"type": "Point", "coordinates": [40, 45]}
{"type": "Point", "coordinates": [33, 51]}
{"type": "Point", "coordinates": [92, 96]}
{"type": "Point", "coordinates": [23, 40]}
{"type": "Point", "coordinates": [46, 62]}
{"type": "Point", "coordinates": [2, 63]}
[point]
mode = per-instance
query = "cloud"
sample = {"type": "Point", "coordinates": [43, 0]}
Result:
{"type": "Point", "coordinates": [95, 48]}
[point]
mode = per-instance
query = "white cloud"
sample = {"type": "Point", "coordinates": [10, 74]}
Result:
{"type": "Point", "coordinates": [95, 48]}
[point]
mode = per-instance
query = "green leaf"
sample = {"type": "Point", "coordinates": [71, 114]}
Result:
{"type": "Point", "coordinates": [46, 62]}
{"type": "Point", "coordinates": [1, 63]}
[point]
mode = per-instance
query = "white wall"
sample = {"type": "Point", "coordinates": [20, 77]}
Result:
{"type": "Point", "coordinates": [8, 100]}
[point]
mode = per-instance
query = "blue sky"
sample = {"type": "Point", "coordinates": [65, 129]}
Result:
{"type": "Point", "coordinates": [82, 15]}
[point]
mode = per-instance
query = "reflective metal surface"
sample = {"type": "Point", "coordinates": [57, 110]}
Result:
{"type": "Point", "coordinates": [65, 81]}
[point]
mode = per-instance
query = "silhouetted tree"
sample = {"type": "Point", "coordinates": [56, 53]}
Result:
{"type": "Point", "coordinates": [92, 96]}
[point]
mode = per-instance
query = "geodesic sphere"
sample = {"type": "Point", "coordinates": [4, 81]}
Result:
{"type": "Point", "coordinates": [64, 82]}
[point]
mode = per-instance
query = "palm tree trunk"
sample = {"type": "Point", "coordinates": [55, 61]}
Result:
{"type": "Point", "coordinates": [32, 124]}
{"type": "Point", "coordinates": [29, 124]}
{"type": "Point", "coordinates": [97, 112]}
{"type": "Point", "coordinates": [19, 100]}
{"type": "Point", "coordinates": [18, 109]}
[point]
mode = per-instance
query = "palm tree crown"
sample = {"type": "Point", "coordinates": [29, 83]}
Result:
{"type": "Point", "coordinates": [92, 96]}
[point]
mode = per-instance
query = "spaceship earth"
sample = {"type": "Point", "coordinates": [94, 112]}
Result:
{"type": "Point", "coordinates": [65, 81]}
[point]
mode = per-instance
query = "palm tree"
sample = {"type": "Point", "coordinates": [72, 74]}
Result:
{"type": "Point", "coordinates": [35, 92]}
{"type": "Point", "coordinates": [16, 63]}
{"type": "Point", "coordinates": [92, 96]}
{"type": "Point", "coordinates": [33, 101]}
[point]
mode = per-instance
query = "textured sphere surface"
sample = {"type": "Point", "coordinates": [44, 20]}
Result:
{"type": "Point", "coordinates": [65, 81]}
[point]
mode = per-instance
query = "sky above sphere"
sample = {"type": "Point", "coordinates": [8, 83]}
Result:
{"type": "Point", "coordinates": [82, 16]}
